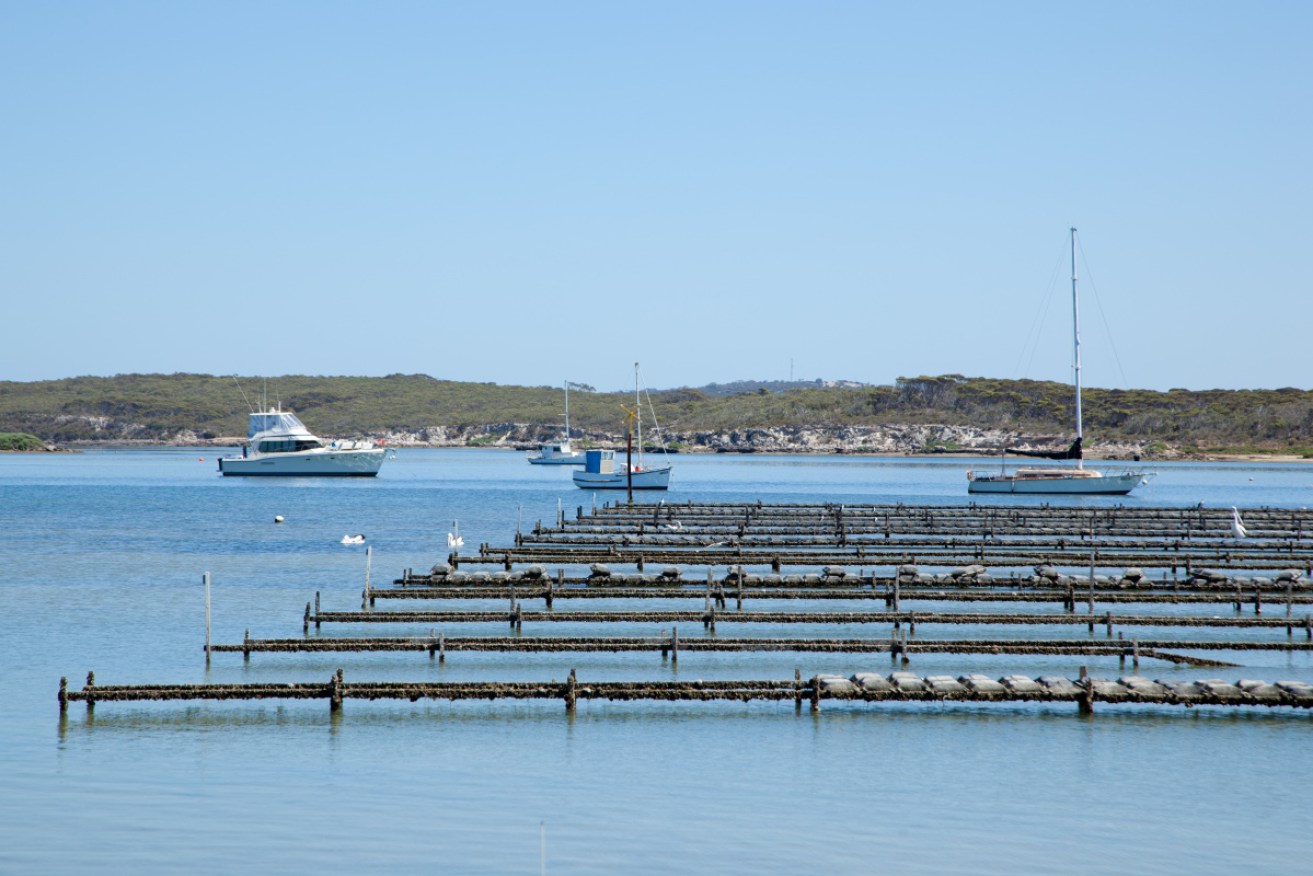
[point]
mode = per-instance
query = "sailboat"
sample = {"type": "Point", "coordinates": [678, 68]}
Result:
{"type": "Point", "coordinates": [600, 472]}
{"type": "Point", "coordinates": [1078, 481]}
{"type": "Point", "coordinates": [561, 453]}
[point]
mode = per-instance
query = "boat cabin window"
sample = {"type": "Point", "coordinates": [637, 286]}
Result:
{"type": "Point", "coordinates": [288, 445]}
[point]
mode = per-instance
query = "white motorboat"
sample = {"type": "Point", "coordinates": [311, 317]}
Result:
{"type": "Point", "coordinates": [561, 453]}
{"type": "Point", "coordinates": [600, 471]}
{"type": "Point", "coordinates": [1055, 480]}
{"type": "Point", "coordinates": [279, 444]}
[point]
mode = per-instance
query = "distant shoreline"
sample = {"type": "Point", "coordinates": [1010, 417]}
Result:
{"type": "Point", "coordinates": [235, 444]}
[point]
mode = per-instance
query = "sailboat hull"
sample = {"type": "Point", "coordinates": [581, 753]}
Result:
{"type": "Point", "coordinates": [1062, 485]}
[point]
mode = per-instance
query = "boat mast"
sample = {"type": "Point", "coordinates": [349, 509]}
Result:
{"type": "Point", "coordinates": [567, 412]}
{"type": "Point", "coordinates": [638, 416]}
{"type": "Point", "coordinates": [1075, 328]}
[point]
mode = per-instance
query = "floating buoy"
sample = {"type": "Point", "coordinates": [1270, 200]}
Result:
{"type": "Point", "coordinates": [202, 459]}
{"type": "Point", "coordinates": [278, 518]}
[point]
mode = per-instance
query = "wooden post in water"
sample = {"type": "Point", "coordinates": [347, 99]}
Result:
{"type": "Point", "coordinates": [91, 701]}
{"type": "Point", "coordinates": [207, 619]}
{"type": "Point", "coordinates": [368, 601]}
{"type": "Point", "coordinates": [797, 691]}
{"type": "Point", "coordinates": [571, 691]}
{"type": "Point", "coordinates": [335, 692]}
{"type": "Point", "coordinates": [816, 694]}
{"type": "Point", "coordinates": [63, 695]}
{"type": "Point", "coordinates": [1087, 699]}
{"type": "Point", "coordinates": [674, 645]}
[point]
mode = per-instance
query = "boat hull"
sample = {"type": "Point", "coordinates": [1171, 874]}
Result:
{"type": "Point", "coordinates": [1107, 485]}
{"type": "Point", "coordinates": [647, 479]}
{"type": "Point", "coordinates": [577, 459]}
{"type": "Point", "coordinates": [558, 454]}
{"type": "Point", "coordinates": [319, 463]}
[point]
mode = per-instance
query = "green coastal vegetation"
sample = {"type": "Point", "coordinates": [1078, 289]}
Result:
{"type": "Point", "coordinates": [20, 441]}
{"type": "Point", "coordinates": [163, 407]}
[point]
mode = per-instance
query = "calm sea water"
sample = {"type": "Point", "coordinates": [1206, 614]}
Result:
{"type": "Point", "coordinates": [101, 558]}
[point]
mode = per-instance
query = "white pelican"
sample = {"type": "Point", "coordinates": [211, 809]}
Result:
{"type": "Point", "coordinates": [358, 538]}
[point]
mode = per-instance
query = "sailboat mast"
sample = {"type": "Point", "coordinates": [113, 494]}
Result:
{"type": "Point", "coordinates": [638, 416]}
{"type": "Point", "coordinates": [567, 411]}
{"type": "Point", "coordinates": [1075, 328]}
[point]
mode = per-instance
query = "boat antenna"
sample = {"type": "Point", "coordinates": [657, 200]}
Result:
{"type": "Point", "coordinates": [243, 392]}
{"type": "Point", "coordinates": [567, 410]}
{"type": "Point", "coordinates": [1075, 328]}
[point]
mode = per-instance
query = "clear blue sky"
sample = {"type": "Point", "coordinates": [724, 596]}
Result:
{"type": "Point", "coordinates": [527, 192]}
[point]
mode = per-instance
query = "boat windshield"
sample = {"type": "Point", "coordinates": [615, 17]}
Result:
{"type": "Point", "coordinates": [288, 445]}
{"type": "Point", "coordinates": [274, 421]}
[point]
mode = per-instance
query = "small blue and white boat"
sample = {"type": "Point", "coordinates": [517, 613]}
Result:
{"type": "Point", "coordinates": [600, 471]}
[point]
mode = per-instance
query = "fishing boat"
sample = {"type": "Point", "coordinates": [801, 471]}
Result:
{"type": "Point", "coordinates": [600, 471]}
{"type": "Point", "coordinates": [560, 453]}
{"type": "Point", "coordinates": [1078, 481]}
{"type": "Point", "coordinates": [279, 444]}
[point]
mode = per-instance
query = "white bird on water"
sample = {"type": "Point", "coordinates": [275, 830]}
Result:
{"type": "Point", "coordinates": [1237, 526]}
{"type": "Point", "coordinates": [353, 539]}
{"type": "Point", "coordinates": [453, 538]}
